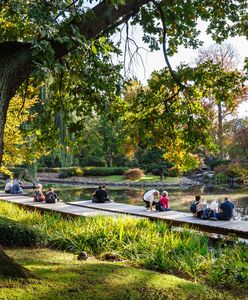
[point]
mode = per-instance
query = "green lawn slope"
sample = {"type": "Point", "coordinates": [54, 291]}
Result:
{"type": "Point", "coordinates": [62, 276]}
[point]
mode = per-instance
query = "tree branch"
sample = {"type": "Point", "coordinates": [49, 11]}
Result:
{"type": "Point", "coordinates": [162, 16]}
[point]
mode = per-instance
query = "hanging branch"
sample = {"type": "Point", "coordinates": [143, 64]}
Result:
{"type": "Point", "coordinates": [162, 16]}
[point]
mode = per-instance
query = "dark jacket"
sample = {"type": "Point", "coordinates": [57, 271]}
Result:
{"type": "Point", "coordinates": [100, 195]}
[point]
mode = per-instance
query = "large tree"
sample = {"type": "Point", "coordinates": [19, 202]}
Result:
{"type": "Point", "coordinates": [37, 33]}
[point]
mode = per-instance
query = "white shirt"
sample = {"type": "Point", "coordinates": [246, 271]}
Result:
{"type": "Point", "coordinates": [8, 186]}
{"type": "Point", "coordinates": [149, 195]}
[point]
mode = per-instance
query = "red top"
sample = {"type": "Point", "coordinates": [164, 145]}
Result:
{"type": "Point", "coordinates": [164, 201]}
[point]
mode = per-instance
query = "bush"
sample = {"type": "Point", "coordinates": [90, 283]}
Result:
{"type": "Point", "coordinates": [221, 177]}
{"type": "Point", "coordinates": [48, 170]}
{"type": "Point", "coordinates": [133, 174]}
{"type": "Point", "coordinates": [217, 162]}
{"type": "Point", "coordinates": [14, 234]}
{"type": "Point", "coordinates": [104, 171]}
{"type": "Point", "coordinates": [173, 172]}
{"type": "Point", "coordinates": [70, 172]}
{"type": "Point", "coordinates": [232, 171]}
{"type": "Point", "coordinates": [156, 172]}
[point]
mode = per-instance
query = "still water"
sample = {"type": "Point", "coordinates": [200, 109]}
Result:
{"type": "Point", "coordinates": [178, 199]}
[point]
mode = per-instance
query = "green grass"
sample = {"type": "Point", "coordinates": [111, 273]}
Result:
{"type": "Point", "coordinates": [146, 178]}
{"type": "Point", "coordinates": [62, 276]}
{"type": "Point", "coordinates": [152, 245]}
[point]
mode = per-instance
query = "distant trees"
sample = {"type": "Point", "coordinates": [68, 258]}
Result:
{"type": "Point", "coordinates": [228, 90]}
{"type": "Point", "coordinates": [238, 148]}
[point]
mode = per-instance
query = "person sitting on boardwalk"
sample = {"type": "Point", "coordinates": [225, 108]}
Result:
{"type": "Point", "coordinates": [200, 209]}
{"type": "Point", "coordinates": [8, 186]}
{"type": "Point", "coordinates": [106, 194]}
{"type": "Point", "coordinates": [148, 198]}
{"type": "Point", "coordinates": [226, 210]}
{"type": "Point", "coordinates": [163, 203]}
{"type": "Point", "coordinates": [16, 187]}
{"type": "Point", "coordinates": [100, 195]}
{"type": "Point", "coordinates": [38, 194]}
{"type": "Point", "coordinates": [51, 196]}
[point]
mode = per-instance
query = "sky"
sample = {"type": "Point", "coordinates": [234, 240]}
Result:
{"type": "Point", "coordinates": [155, 60]}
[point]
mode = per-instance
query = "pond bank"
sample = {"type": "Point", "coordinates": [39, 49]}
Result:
{"type": "Point", "coordinates": [53, 177]}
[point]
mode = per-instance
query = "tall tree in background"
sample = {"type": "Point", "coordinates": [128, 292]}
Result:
{"type": "Point", "coordinates": [225, 97]}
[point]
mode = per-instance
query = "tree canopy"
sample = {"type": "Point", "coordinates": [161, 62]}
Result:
{"type": "Point", "coordinates": [44, 39]}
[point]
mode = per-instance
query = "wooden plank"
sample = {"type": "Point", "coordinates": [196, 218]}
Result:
{"type": "Point", "coordinates": [174, 218]}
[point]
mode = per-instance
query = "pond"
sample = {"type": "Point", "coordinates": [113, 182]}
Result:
{"type": "Point", "coordinates": [178, 199]}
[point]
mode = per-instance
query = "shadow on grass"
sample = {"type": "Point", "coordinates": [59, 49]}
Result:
{"type": "Point", "coordinates": [103, 280]}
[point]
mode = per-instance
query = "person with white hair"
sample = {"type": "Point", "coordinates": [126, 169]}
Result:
{"type": "Point", "coordinates": [163, 204]}
{"type": "Point", "coordinates": [149, 197]}
{"type": "Point", "coordinates": [38, 194]}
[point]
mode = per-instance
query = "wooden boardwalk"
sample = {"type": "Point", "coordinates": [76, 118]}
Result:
{"type": "Point", "coordinates": [60, 207]}
{"type": "Point", "coordinates": [173, 218]}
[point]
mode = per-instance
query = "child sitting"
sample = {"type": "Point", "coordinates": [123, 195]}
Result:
{"type": "Point", "coordinates": [162, 205]}
{"type": "Point", "coordinates": [38, 195]}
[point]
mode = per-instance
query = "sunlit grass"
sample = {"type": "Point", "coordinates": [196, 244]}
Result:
{"type": "Point", "coordinates": [149, 244]}
{"type": "Point", "coordinates": [62, 276]}
{"type": "Point", "coordinates": [146, 178]}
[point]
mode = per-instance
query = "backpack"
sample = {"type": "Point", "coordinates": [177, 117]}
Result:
{"type": "Point", "coordinates": [51, 197]}
{"type": "Point", "coordinates": [159, 207]}
{"type": "Point", "coordinates": [204, 214]}
{"type": "Point", "coordinates": [193, 207]}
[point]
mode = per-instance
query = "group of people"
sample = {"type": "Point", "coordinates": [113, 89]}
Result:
{"type": "Point", "coordinates": [49, 197]}
{"type": "Point", "coordinates": [204, 211]}
{"type": "Point", "coordinates": [13, 186]}
{"type": "Point", "coordinates": [161, 205]}
{"type": "Point", "coordinates": [199, 208]}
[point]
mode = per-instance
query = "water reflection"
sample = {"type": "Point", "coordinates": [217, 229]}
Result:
{"type": "Point", "coordinates": [178, 199]}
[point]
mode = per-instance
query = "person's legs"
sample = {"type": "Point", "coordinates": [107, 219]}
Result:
{"type": "Point", "coordinates": [221, 216]}
{"type": "Point", "coordinates": [147, 204]}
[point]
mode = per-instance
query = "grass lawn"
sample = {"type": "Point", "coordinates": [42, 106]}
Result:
{"type": "Point", "coordinates": [147, 178]}
{"type": "Point", "coordinates": [62, 276]}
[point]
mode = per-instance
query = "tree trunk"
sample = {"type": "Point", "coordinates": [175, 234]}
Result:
{"type": "Point", "coordinates": [10, 269]}
{"type": "Point", "coordinates": [15, 67]}
{"type": "Point", "coordinates": [220, 130]}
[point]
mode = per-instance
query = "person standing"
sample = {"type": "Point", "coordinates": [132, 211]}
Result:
{"type": "Point", "coordinates": [149, 197]}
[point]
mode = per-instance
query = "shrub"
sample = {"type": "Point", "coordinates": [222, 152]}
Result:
{"type": "Point", "coordinates": [48, 170]}
{"type": "Point", "coordinates": [104, 171]}
{"type": "Point", "coordinates": [134, 174]}
{"type": "Point", "coordinates": [232, 171]}
{"type": "Point", "coordinates": [173, 172]}
{"type": "Point", "coordinates": [217, 162]}
{"type": "Point", "coordinates": [221, 177]}
{"type": "Point", "coordinates": [14, 234]}
{"type": "Point", "coordinates": [70, 172]}
{"type": "Point", "coordinates": [156, 172]}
